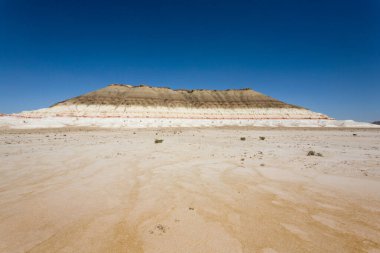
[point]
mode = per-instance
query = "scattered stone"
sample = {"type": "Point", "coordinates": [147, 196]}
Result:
{"type": "Point", "coordinates": [161, 227]}
{"type": "Point", "coordinates": [242, 138]}
{"type": "Point", "coordinates": [313, 153]}
{"type": "Point", "coordinates": [262, 138]}
{"type": "Point", "coordinates": [158, 141]}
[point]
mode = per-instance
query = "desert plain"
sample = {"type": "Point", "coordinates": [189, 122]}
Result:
{"type": "Point", "coordinates": [200, 190]}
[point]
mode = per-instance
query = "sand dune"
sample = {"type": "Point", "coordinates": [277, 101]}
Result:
{"type": "Point", "coordinates": [201, 190]}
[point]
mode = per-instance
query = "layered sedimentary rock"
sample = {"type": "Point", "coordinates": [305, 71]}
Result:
{"type": "Point", "coordinates": [125, 101]}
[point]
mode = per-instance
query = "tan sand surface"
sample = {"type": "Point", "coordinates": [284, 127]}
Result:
{"type": "Point", "coordinates": [201, 190]}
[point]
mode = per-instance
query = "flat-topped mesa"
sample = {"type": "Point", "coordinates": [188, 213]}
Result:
{"type": "Point", "coordinates": [127, 95]}
{"type": "Point", "coordinates": [117, 100]}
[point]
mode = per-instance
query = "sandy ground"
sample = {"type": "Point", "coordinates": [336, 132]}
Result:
{"type": "Point", "coordinates": [201, 190]}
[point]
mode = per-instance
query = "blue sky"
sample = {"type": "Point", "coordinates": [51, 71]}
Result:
{"type": "Point", "coordinates": [323, 55]}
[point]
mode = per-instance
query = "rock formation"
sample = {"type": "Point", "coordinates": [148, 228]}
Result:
{"type": "Point", "coordinates": [129, 106]}
{"type": "Point", "coordinates": [128, 101]}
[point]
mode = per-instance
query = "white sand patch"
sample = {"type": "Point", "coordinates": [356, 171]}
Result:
{"type": "Point", "coordinates": [18, 122]}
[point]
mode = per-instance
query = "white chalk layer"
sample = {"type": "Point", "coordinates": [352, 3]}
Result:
{"type": "Point", "coordinates": [56, 122]}
{"type": "Point", "coordinates": [173, 112]}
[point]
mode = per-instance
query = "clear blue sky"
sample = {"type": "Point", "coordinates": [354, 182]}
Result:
{"type": "Point", "coordinates": [321, 54]}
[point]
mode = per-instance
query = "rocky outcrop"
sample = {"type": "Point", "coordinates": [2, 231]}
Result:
{"type": "Point", "coordinates": [126, 101]}
{"type": "Point", "coordinates": [127, 95]}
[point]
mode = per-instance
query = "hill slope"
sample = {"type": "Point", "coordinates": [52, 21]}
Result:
{"type": "Point", "coordinates": [128, 95]}
{"type": "Point", "coordinates": [154, 102]}
{"type": "Point", "coordinates": [126, 106]}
